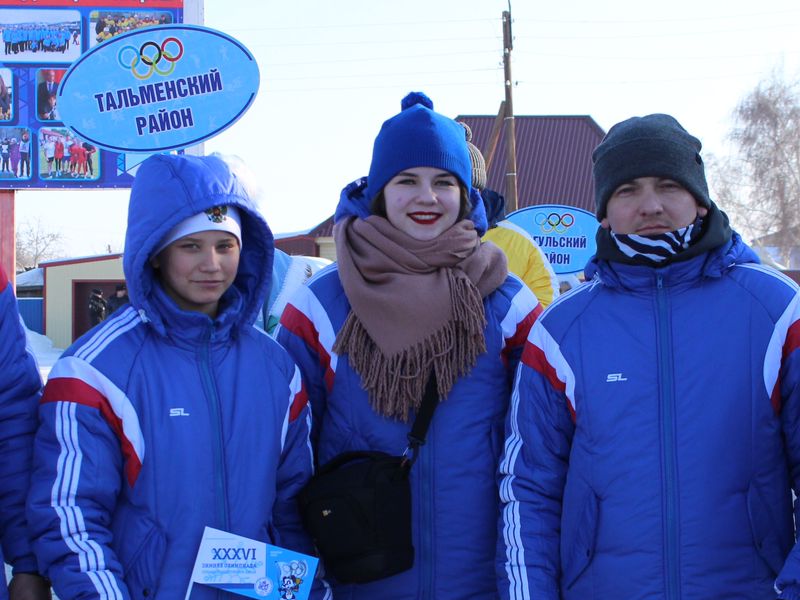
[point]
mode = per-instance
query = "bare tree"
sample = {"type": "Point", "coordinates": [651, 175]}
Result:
{"type": "Point", "coordinates": [760, 182]}
{"type": "Point", "coordinates": [35, 243]}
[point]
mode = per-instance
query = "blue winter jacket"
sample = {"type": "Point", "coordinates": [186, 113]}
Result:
{"type": "Point", "coordinates": [20, 388]}
{"type": "Point", "coordinates": [653, 440]}
{"type": "Point", "coordinates": [454, 494]}
{"type": "Point", "coordinates": [160, 422]}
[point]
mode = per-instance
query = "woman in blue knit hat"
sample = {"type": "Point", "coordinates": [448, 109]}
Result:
{"type": "Point", "coordinates": [415, 294]}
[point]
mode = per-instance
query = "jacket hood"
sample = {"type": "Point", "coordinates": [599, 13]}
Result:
{"type": "Point", "coordinates": [354, 202]}
{"type": "Point", "coordinates": [495, 206]}
{"type": "Point", "coordinates": [167, 190]}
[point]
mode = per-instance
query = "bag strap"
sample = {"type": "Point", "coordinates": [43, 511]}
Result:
{"type": "Point", "coordinates": [416, 437]}
{"type": "Point", "coordinates": [347, 457]}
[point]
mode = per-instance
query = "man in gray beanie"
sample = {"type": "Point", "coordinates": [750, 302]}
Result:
{"type": "Point", "coordinates": [653, 442]}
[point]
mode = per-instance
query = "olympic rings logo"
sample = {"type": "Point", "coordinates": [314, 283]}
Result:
{"type": "Point", "coordinates": [148, 59]}
{"type": "Point", "coordinates": [554, 223]}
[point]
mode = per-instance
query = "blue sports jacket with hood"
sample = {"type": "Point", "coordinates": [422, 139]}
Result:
{"type": "Point", "coordinates": [160, 421]}
{"type": "Point", "coordinates": [454, 495]}
{"type": "Point", "coordinates": [20, 388]}
{"type": "Point", "coordinates": [654, 439]}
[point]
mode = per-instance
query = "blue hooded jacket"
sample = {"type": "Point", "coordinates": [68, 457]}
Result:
{"type": "Point", "coordinates": [653, 439]}
{"type": "Point", "coordinates": [20, 388]}
{"type": "Point", "coordinates": [160, 421]}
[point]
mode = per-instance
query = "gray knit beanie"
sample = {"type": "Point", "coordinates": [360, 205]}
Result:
{"type": "Point", "coordinates": [475, 156]}
{"type": "Point", "coordinates": [652, 146]}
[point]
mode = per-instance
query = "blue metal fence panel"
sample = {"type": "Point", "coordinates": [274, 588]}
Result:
{"type": "Point", "coordinates": [32, 311]}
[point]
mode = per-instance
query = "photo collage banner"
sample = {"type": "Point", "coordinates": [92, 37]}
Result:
{"type": "Point", "coordinates": [39, 43]}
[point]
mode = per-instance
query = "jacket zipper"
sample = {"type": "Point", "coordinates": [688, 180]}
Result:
{"type": "Point", "coordinates": [207, 377]}
{"type": "Point", "coordinates": [668, 442]}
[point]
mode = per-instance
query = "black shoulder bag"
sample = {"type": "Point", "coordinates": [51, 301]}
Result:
{"type": "Point", "coordinates": [357, 507]}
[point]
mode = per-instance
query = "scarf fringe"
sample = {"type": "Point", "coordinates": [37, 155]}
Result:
{"type": "Point", "coordinates": [396, 384]}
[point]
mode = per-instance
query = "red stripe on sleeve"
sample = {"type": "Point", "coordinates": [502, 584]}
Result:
{"type": "Point", "coordinates": [301, 326]}
{"type": "Point", "coordinates": [792, 341]}
{"type": "Point", "coordinates": [69, 389]}
{"type": "Point", "coordinates": [572, 412]}
{"type": "Point", "coordinates": [790, 344]}
{"type": "Point", "coordinates": [533, 357]}
{"type": "Point", "coordinates": [298, 404]}
{"type": "Point", "coordinates": [524, 328]}
{"type": "Point", "coordinates": [3, 280]}
{"type": "Point", "coordinates": [775, 398]}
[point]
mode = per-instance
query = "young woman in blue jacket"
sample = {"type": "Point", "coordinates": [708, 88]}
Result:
{"type": "Point", "coordinates": [175, 413]}
{"type": "Point", "coordinates": [415, 291]}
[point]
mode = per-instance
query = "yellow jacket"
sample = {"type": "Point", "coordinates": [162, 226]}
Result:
{"type": "Point", "coordinates": [525, 259]}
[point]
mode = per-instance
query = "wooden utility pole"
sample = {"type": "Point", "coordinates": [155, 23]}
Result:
{"type": "Point", "coordinates": [511, 150]}
{"type": "Point", "coordinates": [497, 127]}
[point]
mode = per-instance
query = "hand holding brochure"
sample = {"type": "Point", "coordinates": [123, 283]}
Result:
{"type": "Point", "coordinates": [250, 568]}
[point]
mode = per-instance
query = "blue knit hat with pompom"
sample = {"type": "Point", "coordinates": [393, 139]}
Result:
{"type": "Point", "coordinates": [418, 137]}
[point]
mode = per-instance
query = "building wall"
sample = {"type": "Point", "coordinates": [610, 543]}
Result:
{"type": "Point", "coordinates": [31, 311]}
{"type": "Point", "coordinates": [61, 302]}
{"type": "Point", "coordinates": [326, 248]}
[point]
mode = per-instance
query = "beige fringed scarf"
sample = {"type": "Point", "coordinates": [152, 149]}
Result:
{"type": "Point", "coordinates": [415, 305]}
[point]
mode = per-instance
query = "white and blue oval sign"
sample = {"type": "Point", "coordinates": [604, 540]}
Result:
{"type": "Point", "coordinates": [565, 234]}
{"type": "Point", "coordinates": [157, 89]}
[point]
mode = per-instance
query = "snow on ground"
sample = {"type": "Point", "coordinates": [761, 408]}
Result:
{"type": "Point", "coordinates": [42, 348]}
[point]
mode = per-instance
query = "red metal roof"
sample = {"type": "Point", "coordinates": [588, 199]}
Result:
{"type": "Point", "coordinates": [302, 245]}
{"type": "Point", "coordinates": [306, 243]}
{"type": "Point", "coordinates": [324, 229]}
{"type": "Point", "coordinates": [554, 158]}
{"type": "Point", "coordinates": [58, 262]}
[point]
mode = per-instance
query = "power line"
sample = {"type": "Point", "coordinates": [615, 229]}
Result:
{"type": "Point", "coordinates": [403, 41]}
{"type": "Point", "coordinates": [693, 19]}
{"type": "Point", "coordinates": [489, 20]}
{"type": "Point", "coordinates": [417, 84]}
{"type": "Point", "coordinates": [518, 83]}
{"type": "Point", "coordinates": [351, 25]}
{"type": "Point", "coordinates": [650, 35]}
{"type": "Point", "coordinates": [383, 58]}
{"type": "Point", "coordinates": [659, 80]}
{"type": "Point", "coordinates": [640, 57]}
{"type": "Point", "coordinates": [384, 74]}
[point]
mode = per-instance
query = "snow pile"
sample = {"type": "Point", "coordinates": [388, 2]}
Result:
{"type": "Point", "coordinates": [42, 348]}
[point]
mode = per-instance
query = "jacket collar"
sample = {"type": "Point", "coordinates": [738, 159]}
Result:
{"type": "Point", "coordinates": [710, 264]}
{"type": "Point", "coordinates": [716, 232]}
{"type": "Point", "coordinates": [189, 328]}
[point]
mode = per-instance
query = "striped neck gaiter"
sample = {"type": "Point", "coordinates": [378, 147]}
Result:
{"type": "Point", "coordinates": [655, 249]}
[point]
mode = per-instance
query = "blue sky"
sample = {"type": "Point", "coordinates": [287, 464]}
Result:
{"type": "Point", "coordinates": [331, 72]}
